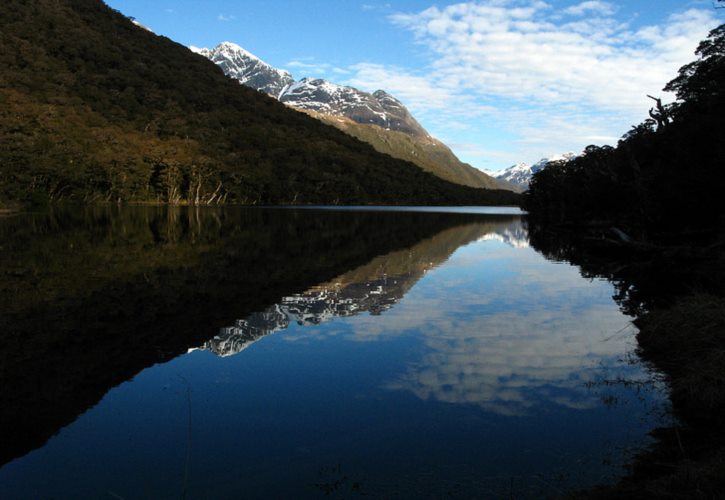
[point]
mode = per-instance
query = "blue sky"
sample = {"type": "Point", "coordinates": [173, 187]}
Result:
{"type": "Point", "coordinates": [499, 81]}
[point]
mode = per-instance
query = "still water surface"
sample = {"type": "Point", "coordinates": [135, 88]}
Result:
{"type": "Point", "coordinates": [448, 359]}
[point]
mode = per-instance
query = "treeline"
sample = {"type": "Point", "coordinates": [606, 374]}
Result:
{"type": "Point", "coordinates": [665, 178]}
{"type": "Point", "coordinates": [94, 108]}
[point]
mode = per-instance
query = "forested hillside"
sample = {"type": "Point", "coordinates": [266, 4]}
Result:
{"type": "Point", "coordinates": [94, 108]}
{"type": "Point", "coordinates": [666, 176]}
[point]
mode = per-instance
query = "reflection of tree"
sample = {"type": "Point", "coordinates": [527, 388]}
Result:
{"type": "Point", "coordinates": [642, 279]}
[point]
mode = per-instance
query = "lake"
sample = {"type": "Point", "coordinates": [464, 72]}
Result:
{"type": "Point", "coordinates": [152, 352]}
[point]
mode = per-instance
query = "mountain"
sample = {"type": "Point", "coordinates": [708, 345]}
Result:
{"type": "Point", "coordinates": [97, 109]}
{"type": "Point", "coordinates": [247, 68]}
{"type": "Point", "coordinates": [378, 118]}
{"type": "Point", "coordinates": [378, 108]}
{"type": "Point", "coordinates": [520, 174]}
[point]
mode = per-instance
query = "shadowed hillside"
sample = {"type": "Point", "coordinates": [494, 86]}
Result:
{"type": "Point", "coordinates": [94, 108]}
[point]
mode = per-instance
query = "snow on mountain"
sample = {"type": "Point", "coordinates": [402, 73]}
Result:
{"type": "Point", "coordinates": [247, 68]}
{"type": "Point", "coordinates": [321, 96]}
{"type": "Point", "coordinates": [142, 26]}
{"type": "Point", "coordinates": [313, 307]}
{"type": "Point", "coordinates": [347, 108]}
{"type": "Point", "coordinates": [378, 108]}
{"type": "Point", "coordinates": [521, 173]}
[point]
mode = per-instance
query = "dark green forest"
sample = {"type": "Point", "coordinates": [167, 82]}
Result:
{"type": "Point", "coordinates": [665, 178]}
{"type": "Point", "coordinates": [95, 109]}
{"type": "Point", "coordinates": [649, 216]}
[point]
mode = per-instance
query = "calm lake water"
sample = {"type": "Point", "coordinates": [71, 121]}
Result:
{"type": "Point", "coordinates": [278, 353]}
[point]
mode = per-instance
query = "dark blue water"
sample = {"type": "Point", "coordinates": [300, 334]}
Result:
{"type": "Point", "coordinates": [464, 365]}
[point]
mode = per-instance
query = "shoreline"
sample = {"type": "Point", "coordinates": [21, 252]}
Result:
{"type": "Point", "coordinates": [675, 294]}
{"type": "Point", "coordinates": [686, 342]}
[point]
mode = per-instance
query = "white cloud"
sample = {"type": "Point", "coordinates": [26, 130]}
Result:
{"type": "Point", "coordinates": [417, 92]}
{"type": "Point", "coordinates": [500, 59]}
{"type": "Point", "coordinates": [225, 18]}
{"type": "Point", "coordinates": [308, 67]}
{"type": "Point", "coordinates": [498, 50]}
{"type": "Point", "coordinates": [591, 6]}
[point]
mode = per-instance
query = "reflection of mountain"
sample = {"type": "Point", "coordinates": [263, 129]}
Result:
{"type": "Point", "coordinates": [125, 288]}
{"type": "Point", "coordinates": [515, 235]}
{"type": "Point", "coordinates": [372, 288]}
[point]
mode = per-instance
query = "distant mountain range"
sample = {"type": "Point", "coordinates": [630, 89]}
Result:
{"type": "Point", "coordinates": [378, 118]}
{"type": "Point", "coordinates": [519, 175]}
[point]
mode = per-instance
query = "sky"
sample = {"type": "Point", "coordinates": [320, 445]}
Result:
{"type": "Point", "coordinates": [499, 81]}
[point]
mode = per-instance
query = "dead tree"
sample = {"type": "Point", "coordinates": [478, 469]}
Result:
{"type": "Point", "coordinates": [659, 113]}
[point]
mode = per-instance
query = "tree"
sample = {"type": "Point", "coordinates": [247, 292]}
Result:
{"type": "Point", "coordinates": [700, 83]}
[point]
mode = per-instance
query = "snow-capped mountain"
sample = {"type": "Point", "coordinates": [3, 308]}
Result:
{"type": "Point", "coordinates": [247, 68]}
{"type": "Point", "coordinates": [378, 108]}
{"type": "Point", "coordinates": [353, 111]}
{"type": "Point", "coordinates": [318, 95]}
{"type": "Point", "coordinates": [520, 174]}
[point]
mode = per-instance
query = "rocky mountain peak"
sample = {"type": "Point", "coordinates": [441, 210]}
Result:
{"type": "Point", "coordinates": [394, 131]}
{"type": "Point", "coordinates": [313, 94]}
{"type": "Point", "coordinates": [247, 68]}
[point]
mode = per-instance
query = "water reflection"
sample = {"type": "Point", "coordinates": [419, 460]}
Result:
{"type": "Point", "coordinates": [372, 288]}
{"type": "Point", "coordinates": [421, 351]}
{"type": "Point", "coordinates": [91, 296]}
{"type": "Point", "coordinates": [509, 357]}
{"type": "Point", "coordinates": [511, 365]}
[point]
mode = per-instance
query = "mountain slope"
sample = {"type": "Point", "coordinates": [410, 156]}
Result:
{"type": "Point", "coordinates": [428, 153]}
{"type": "Point", "coordinates": [378, 118]}
{"type": "Point", "coordinates": [96, 108]}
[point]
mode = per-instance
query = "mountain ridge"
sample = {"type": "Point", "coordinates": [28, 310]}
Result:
{"type": "Point", "coordinates": [330, 101]}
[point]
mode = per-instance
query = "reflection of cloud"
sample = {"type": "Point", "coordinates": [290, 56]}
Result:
{"type": "Point", "coordinates": [502, 328]}
{"type": "Point", "coordinates": [509, 343]}
{"type": "Point", "coordinates": [509, 363]}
